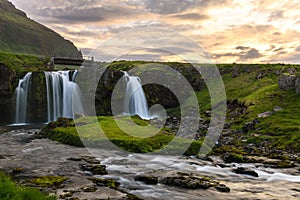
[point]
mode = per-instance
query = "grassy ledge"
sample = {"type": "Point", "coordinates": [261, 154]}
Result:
{"type": "Point", "coordinates": [137, 141]}
{"type": "Point", "coordinates": [11, 191]}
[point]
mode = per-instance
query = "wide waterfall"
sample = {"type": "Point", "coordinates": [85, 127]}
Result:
{"type": "Point", "coordinates": [63, 95]}
{"type": "Point", "coordinates": [21, 93]}
{"type": "Point", "coordinates": [135, 100]}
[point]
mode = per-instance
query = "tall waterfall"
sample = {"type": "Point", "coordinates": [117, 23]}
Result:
{"type": "Point", "coordinates": [21, 93]}
{"type": "Point", "coordinates": [135, 100]}
{"type": "Point", "coordinates": [63, 95]}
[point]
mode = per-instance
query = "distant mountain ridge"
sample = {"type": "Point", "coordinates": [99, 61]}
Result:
{"type": "Point", "coordinates": [19, 34]}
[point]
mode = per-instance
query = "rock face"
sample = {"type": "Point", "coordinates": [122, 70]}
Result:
{"type": "Point", "coordinates": [8, 82]}
{"type": "Point", "coordinates": [297, 85]}
{"type": "Point", "coordinates": [155, 93]}
{"type": "Point", "coordinates": [287, 81]}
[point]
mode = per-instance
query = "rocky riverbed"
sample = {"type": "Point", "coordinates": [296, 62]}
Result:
{"type": "Point", "coordinates": [77, 173]}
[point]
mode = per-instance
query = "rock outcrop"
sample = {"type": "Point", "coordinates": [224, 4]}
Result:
{"type": "Point", "coordinates": [8, 83]}
{"type": "Point", "coordinates": [287, 81]}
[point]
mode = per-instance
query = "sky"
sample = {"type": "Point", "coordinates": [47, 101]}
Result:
{"type": "Point", "coordinates": [241, 31]}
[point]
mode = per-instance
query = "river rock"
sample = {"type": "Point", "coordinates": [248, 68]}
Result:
{"type": "Point", "coordinates": [242, 170]}
{"type": "Point", "coordinates": [95, 169]}
{"type": "Point", "coordinates": [287, 81]}
{"type": "Point", "coordinates": [150, 180]}
{"type": "Point", "coordinates": [222, 188]}
{"type": "Point", "coordinates": [189, 182]}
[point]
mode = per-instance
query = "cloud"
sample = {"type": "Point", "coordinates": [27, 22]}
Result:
{"type": "Point", "coordinates": [191, 16]}
{"type": "Point", "coordinates": [242, 48]}
{"type": "Point", "coordinates": [279, 49]}
{"type": "Point", "coordinates": [297, 48]}
{"type": "Point", "coordinates": [275, 15]}
{"type": "Point", "coordinates": [177, 6]}
{"type": "Point", "coordinates": [76, 14]}
{"type": "Point", "coordinates": [251, 54]}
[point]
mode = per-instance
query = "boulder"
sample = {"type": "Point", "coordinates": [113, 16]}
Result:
{"type": "Point", "coordinates": [246, 171]}
{"type": "Point", "coordinates": [287, 81]}
{"type": "Point", "coordinates": [223, 188]}
{"type": "Point", "coordinates": [265, 114]}
{"type": "Point", "coordinates": [149, 180]}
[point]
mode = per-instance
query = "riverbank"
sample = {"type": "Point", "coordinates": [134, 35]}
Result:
{"type": "Point", "coordinates": [73, 172]}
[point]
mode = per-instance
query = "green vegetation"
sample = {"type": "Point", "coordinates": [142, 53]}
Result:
{"type": "Point", "coordinates": [252, 91]}
{"type": "Point", "coordinates": [47, 181]}
{"type": "Point", "coordinates": [20, 34]}
{"type": "Point", "coordinates": [23, 63]}
{"type": "Point", "coordinates": [11, 191]}
{"type": "Point", "coordinates": [136, 139]}
{"type": "Point", "coordinates": [258, 95]}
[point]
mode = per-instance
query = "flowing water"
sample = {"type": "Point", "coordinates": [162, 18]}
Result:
{"type": "Point", "coordinates": [42, 157]}
{"type": "Point", "coordinates": [267, 186]}
{"type": "Point", "coordinates": [135, 100]}
{"type": "Point", "coordinates": [63, 95]}
{"type": "Point", "coordinates": [21, 94]}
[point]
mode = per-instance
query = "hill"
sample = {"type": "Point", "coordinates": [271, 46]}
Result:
{"type": "Point", "coordinates": [19, 34]}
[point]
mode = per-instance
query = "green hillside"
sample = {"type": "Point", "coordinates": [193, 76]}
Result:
{"type": "Point", "coordinates": [19, 34]}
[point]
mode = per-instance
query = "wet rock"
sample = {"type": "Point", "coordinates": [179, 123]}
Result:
{"type": "Point", "coordinates": [149, 180]}
{"type": "Point", "coordinates": [189, 182]}
{"type": "Point", "coordinates": [246, 171]}
{"type": "Point", "coordinates": [90, 160]}
{"type": "Point", "coordinates": [75, 159]}
{"type": "Point", "coordinates": [287, 81]}
{"type": "Point", "coordinates": [223, 188]}
{"type": "Point", "coordinates": [95, 169]}
{"type": "Point", "coordinates": [89, 189]}
{"type": "Point", "coordinates": [66, 194]}
{"type": "Point", "coordinates": [265, 114]}
{"type": "Point", "coordinates": [105, 182]}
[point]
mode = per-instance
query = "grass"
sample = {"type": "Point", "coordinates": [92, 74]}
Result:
{"type": "Point", "coordinates": [282, 129]}
{"type": "Point", "coordinates": [22, 62]}
{"type": "Point", "coordinates": [23, 35]}
{"type": "Point", "coordinates": [11, 191]}
{"type": "Point", "coordinates": [139, 139]}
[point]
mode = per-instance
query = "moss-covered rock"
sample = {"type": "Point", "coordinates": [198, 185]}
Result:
{"type": "Point", "coordinates": [105, 182]}
{"type": "Point", "coordinates": [48, 181]}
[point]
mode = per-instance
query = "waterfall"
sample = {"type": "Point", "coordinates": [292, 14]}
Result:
{"type": "Point", "coordinates": [135, 100]}
{"type": "Point", "coordinates": [63, 95]}
{"type": "Point", "coordinates": [21, 93]}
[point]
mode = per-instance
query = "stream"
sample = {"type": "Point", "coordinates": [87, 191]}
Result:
{"type": "Point", "coordinates": [41, 157]}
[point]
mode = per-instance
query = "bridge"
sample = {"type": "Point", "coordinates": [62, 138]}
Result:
{"type": "Point", "coordinates": [71, 61]}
